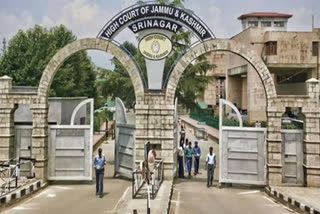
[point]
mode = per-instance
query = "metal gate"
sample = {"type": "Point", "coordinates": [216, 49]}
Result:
{"type": "Point", "coordinates": [242, 152]}
{"type": "Point", "coordinates": [23, 147]}
{"type": "Point", "coordinates": [292, 156]}
{"type": "Point", "coordinates": [70, 149]}
{"type": "Point", "coordinates": [124, 143]}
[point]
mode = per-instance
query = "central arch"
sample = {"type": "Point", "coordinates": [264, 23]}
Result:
{"type": "Point", "coordinates": [228, 45]}
{"type": "Point", "coordinates": [86, 44]}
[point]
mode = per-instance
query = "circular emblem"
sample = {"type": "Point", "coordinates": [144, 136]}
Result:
{"type": "Point", "coordinates": [155, 46]}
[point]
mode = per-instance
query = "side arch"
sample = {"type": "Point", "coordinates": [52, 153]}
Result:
{"type": "Point", "coordinates": [221, 45]}
{"type": "Point", "coordinates": [87, 44]}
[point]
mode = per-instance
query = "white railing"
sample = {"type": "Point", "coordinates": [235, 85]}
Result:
{"type": "Point", "coordinates": [10, 178]}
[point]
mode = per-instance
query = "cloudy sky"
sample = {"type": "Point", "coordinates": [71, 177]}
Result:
{"type": "Point", "coordinates": [86, 17]}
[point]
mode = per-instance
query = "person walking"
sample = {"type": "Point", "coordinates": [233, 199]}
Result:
{"type": "Point", "coordinates": [99, 162]}
{"type": "Point", "coordinates": [210, 165]}
{"type": "Point", "coordinates": [180, 160]}
{"type": "Point", "coordinates": [182, 133]}
{"type": "Point", "coordinates": [196, 154]}
{"type": "Point", "coordinates": [188, 153]}
{"type": "Point", "coordinates": [185, 158]}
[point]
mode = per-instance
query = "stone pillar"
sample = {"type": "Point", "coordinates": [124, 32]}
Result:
{"type": "Point", "coordinates": [312, 135]}
{"type": "Point", "coordinates": [154, 123]}
{"type": "Point", "coordinates": [6, 132]}
{"type": "Point", "coordinates": [40, 139]}
{"type": "Point", "coordinates": [274, 166]}
{"type": "Point", "coordinates": [6, 120]}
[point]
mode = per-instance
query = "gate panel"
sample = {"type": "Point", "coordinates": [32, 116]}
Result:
{"type": "Point", "coordinates": [124, 142]}
{"type": "Point", "coordinates": [70, 149]}
{"type": "Point", "coordinates": [292, 157]}
{"type": "Point", "coordinates": [242, 155]}
{"type": "Point", "coordinates": [125, 150]}
{"type": "Point", "coordinates": [23, 143]}
{"type": "Point", "coordinates": [69, 153]}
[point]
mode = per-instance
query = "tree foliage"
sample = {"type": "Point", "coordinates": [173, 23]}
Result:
{"type": "Point", "coordinates": [117, 82]}
{"type": "Point", "coordinates": [28, 53]}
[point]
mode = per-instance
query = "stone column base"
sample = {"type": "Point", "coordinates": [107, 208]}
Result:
{"type": "Point", "coordinates": [274, 175]}
{"type": "Point", "coordinates": [312, 177]}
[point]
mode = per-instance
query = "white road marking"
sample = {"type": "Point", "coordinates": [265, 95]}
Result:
{"type": "Point", "coordinates": [120, 200]}
{"type": "Point", "coordinates": [24, 208]}
{"type": "Point", "coordinates": [51, 195]}
{"type": "Point", "coordinates": [268, 199]}
{"type": "Point", "coordinates": [248, 192]}
{"type": "Point", "coordinates": [61, 187]}
{"type": "Point", "coordinates": [40, 194]}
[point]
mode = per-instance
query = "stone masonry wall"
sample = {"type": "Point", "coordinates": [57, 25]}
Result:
{"type": "Point", "coordinates": [155, 111]}
{"type": "Point", "coordinates": [155, 123]}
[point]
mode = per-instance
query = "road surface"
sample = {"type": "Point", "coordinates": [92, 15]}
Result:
{"type": "Point", "coordinates": [192, 196]}
{"type": "Point", "coordinates": [76, 198]}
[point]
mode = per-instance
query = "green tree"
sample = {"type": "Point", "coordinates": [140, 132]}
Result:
{"type": "Point", "coordinates": [28, 53]}
{"type": "Point", "coordinates": [117, 82]}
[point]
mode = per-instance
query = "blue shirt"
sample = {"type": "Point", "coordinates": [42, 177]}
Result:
{"type": "Point", "coordinates": [99, 162]}
{"type": "Point", "coordinates": [197, 151]}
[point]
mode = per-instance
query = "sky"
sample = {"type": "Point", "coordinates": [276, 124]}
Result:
{"type": "Point", "coordinates": [87, 17]}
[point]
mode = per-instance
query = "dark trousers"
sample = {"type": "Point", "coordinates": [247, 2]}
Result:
{"type": "Point", "coordinates": [196, 164]}
{"type": "Point", "coordinates": [210, 171]}
{"type": "Point", "coordinates": [99, 181]}
{"type": "Point", "coordinates": [180, 160]}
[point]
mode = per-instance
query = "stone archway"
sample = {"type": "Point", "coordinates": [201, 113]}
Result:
{"type": "Point", "coordinates": [250, 55]}
{"type": "Point", "coordinates": [86, 44]}
{"type": "Point", "coordinates": [39, 107]}
{"type": "Point", "coordinates": [221, 45]}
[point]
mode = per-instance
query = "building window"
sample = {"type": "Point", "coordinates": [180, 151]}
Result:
{"type": "Point", "coordinates": [266, 24]}
{"type": "Point", "coordinates": [292, 78]}
{"type": "Point", "coordinates": [278, 24]}
{"type": "Point", "coordinates": [271, 48]}
{"type": "Point", "coordinates": [315, 48]}
{"type": "Point", "coordinates": [253, 23]}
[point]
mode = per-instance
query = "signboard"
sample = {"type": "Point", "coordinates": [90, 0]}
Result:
{"type": "Point", "coordinates": [155, 23]}
{"type": "Point", "coordinates": [149, 11]}
{"type": "Point", "coordinates": [155, 46]}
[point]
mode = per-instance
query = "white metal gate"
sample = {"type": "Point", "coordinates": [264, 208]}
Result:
{"type": "Point", "coordinates": [292, 156]}
{"type": "Point", "coordinates": [242, 152]}
{"type": "Point", "coordinates": [70, 149]}
{"type": "Point", "coordinates": [23, 147]}
{"type": "Point", "coordinates": [124, 143]}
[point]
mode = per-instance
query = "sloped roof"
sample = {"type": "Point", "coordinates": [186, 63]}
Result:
{"type": "Point", "coordinates": [265, 14]}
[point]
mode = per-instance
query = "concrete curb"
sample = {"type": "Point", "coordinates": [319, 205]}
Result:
{"type": "Point", "coordinates": [170, 197]}
{"type": "Point", "coordinates": [21, 192]}
{"type": "Point", "coordinates": [291, 202]}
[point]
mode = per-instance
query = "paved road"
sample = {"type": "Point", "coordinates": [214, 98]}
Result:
{"type": "Point", "coordinates": [192, 196]}
{"type": "Point", "coordinates": [76, 199]}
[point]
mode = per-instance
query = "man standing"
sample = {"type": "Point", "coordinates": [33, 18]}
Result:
{"type": "Point", "coordinates": [152, 155]}
{"type": "Point", "coordinates": [182, 133]}
{"type": "Point", "coordinates": [197, 154]}
{"type": "Point", "coordinates": [180, 160]}
{"type": "Point", "coordinates": [185, 146]}
{"type": "Point", "coordinates": [210, 165]}
{"type": "Point", "coordinates": [188, 153]}
{"type": "Point", "coordinates": [99, 162]}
